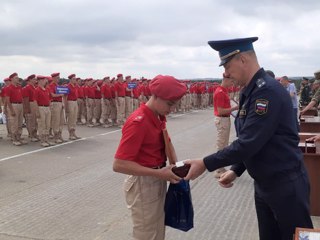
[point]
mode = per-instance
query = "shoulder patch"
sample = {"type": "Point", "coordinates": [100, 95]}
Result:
{"type": "Point", "coordinates": [261, 106]}
{"type": "Point", "coordinates": [260, 82]}
{"type": "Point", "coordinates": [138, 118]}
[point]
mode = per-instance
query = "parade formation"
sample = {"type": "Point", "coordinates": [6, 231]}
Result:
{"type": "Point", "coordinates": [44, 104]}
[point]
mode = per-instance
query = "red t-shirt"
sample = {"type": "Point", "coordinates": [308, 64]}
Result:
{"type": "Point", "coordinates": [136, 92]}
{"type": "Point", "coordinates": [97, 93]}
{"type": "Point", "coordinates": [106, 91]}
{"type": "Point", "coordinates": [73, 92]}
{"type": "Point", "coordinates": [81, 91]}
{"type": "Point", "coordinates": [28, 92]}
{"type": "Point", "coordinates": [221, 99]}
{"type": "Point", "coordinates": [142, 139]}
{"type": "Point", "coordinates": [42, 96]}
{"type": "Point", "coordinates": [53, 89]}
{"type": "Point", "coordinates": [14, 93]}
{"type": "Point", "coordinates": [120, 88]}
{"type": "Point", "coordinates": [91, 91]}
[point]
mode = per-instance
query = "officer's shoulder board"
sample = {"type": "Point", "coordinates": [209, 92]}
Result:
{"type": "Point", "coordinates": [261, 82]}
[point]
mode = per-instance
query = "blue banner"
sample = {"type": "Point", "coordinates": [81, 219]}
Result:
{"type": "Point", "coordinates": [62, 90]}
{"type": "Point", "coordinates": [132, 85]}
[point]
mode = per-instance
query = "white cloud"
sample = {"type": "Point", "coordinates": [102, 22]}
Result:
{"type": "Point", "coordinates": [97, 38]}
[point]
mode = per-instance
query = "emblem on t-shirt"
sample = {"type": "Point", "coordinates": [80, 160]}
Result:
{"type": "Point", "coordinates": [261, 106]}
{"type": "Point", "coordinates": [138, 118]}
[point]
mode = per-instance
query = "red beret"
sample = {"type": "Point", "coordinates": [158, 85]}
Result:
{"type": "Point", "coordinates": [71, 76]}
{"type": "Point", "coordinates": [40, 77]}
{"type": "Point", "coordinates": [89, 79]}
{"type": "Point", "coordinates": [167, 88]}
{"type": "Point", "coordinates": [127, 77]}
{"type": "Point", "coordinates": [106, 78]}
{"type": "Point", "coordinates": [7, 79]}
{"type": "Point", "coordinates": [119, 75]}
{"type": "Point", "coordinates": [55, 74]}
{"type": "Point", "coordinates": [31, 77]}
{"type": "Point", "coordinates": [13, 75]}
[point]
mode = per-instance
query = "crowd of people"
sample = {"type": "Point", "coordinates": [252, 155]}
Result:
{"type": "Point", "coordinates": [44, 104]}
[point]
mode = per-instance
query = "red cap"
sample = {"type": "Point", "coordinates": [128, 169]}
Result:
{"type": "Point", "coordinates": [167, 88]}
{"type": "Point", "coordinates": [119, 75]}
{"type": "Point", "coordinates": [7, 79]}
{"type": "Point", "coordinates": [13, 75]}
{"type": "Point", "coordinates": [55, 74]}
{"type": "Point", "coordinates": [71, 76]}
{"type": "Point", "coordinates": [31, 77]}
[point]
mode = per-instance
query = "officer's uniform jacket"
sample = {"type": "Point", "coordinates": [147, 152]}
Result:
{"type": "Point", "coordinates": [267, 144]}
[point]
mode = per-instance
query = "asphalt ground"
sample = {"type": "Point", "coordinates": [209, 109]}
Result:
{"type": "Point", "coordinates": [69, 191]}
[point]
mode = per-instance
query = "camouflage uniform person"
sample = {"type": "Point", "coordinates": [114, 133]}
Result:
{"type": "Point", "coordinates": [316, 97]}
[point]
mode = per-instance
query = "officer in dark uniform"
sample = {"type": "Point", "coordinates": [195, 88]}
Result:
{"type": "Point", "coordinates": [267, 145]}
{"type": "Point", "coordinates": [306, 92]}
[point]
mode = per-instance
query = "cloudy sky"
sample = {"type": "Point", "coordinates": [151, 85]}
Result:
{"type": "Point", "coordinates": [96, 38]}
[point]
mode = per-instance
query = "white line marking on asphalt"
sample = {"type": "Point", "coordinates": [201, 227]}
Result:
{"type": "Point", "coordinates": [82, 139]}
{"type": "Point", "coordinates": [56, 146]}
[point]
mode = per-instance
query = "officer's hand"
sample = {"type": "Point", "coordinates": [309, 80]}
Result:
{"type": "Point", "coordinates": [227, 178]}
{"type": "Point", "coordinates": [196, 169]}
{"type": "Point", "coordinates": [167, 174]}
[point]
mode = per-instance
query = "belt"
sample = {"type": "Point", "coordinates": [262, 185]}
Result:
{"type": "Point", "coordinates": [16, 102]}
{"type": "Point", "coordinates": [55, 101]}
{"type": "Point", "coordinates": [160, 166]}
{"type": "Point", "coordinates": [43, 105]}
{"type": "Point", "coordinates": [223, 116]}
{"type": "Point", "coordinates": [72, 100]}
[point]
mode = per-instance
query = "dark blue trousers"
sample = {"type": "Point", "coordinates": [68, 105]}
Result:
{"type": "Point", "coordinates": [282, 207]}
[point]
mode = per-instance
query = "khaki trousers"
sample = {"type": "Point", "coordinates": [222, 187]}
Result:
{"type": "Point", "coordinates": [129, 106]}
{"type": "Point", "coordinates": [113, 110]}
{"type": "Point", "coordinates": [15, 122]}
{"type": "Point", "coordinates": [121, 106]}
{"type": "Point", "coordinates": [145, 196]}
{"type": "Point", "coordinates": [106, 110]}
{"type": "Point", "coordinates": [44, 121]}
{"type": "Point", "coordinates": [135, 104]}
{"type": "Point", "coordinates": [90, 103]}
{"type": "Point", "coordinates": [57, 117]}
{"type": "Point", "coordinates": [82, 111]}
{"type": "Point", "coordinates": [31, 120]}
{"type": "Point", "coordinates": [72, 115]}
{"type": "Point", "coordinates": [97, 110]}
{"type": "Point", "coordinates": [223, 132]}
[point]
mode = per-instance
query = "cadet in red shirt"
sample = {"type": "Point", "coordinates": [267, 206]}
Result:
{"type": "Point", "coordinates": [120, 91]}
{"type": "Point", "coordinates": [72, 107]}
{"type": "Point", "coordinates": [106, 102]}
{"type": "Point", "coordinates": [90, 101]}
{"type": "Point", "coordinates": [29, 106]}
{"type": "Point", "coordinates": [15, 109]}
{"type": "Point", "coordinates": [42, 98]}
{"type": "Point", "coordinates": [82, 110]}
{"type": "Point", "coordinates": [7, 82]}
{"type": "Point", "coordinates": [56, 107]}
{"type": "Point", "coordinates": [141, 155]}
{"type": "Point", "coordinates": [222, 111]}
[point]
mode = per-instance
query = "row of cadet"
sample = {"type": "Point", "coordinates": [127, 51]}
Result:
{"type": "Point", "coordinates": [46, 103]}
